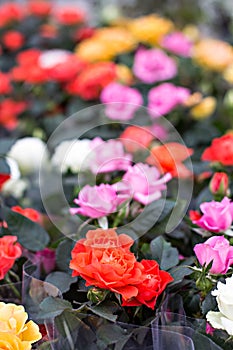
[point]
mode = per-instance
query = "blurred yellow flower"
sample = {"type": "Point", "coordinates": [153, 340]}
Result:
{"type": "Point", "coordinates": [192, 32]}
{"type": "Point", "coordinates": [150, 29]}
{"type": "Point", "coordinates": [124, 74]}
{"type": "Point", "coordinates": [228, 74]}
{"type": "Point", "coordinates": [193, 99]}
{"type": "Point", "coordinates": [204, 109]}
{"type": "Point", "coordinates": [15, 329]}
{"type": "Point", "coordinates": [213, 54]}
{"type": "Point", "coordinates": [105, 44]}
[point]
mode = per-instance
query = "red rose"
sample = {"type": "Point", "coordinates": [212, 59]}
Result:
{"type": "Point", "coordinates": [9, 252]}
{"type": "Point", "coordinates": [67, 70]}
{"type": "Point", "coordinates": [221, 150]}
{"type": "Point", "coordinates": [84, 33]}
{"type": "Point", "coordinates": [5, 85]}
{"type": "Point", "coordinates": [9, 111]}
{"type": "Point", "coordinates": [152, 286]}
{"type": "Point", "coordinates": [10, 12]}
{"type": "Point", "coordinates": [135, 138]}
{"type": "Point", "coordinates": [102, 264]}
{"type": "Point", "coordinates": [69, 15]}
{"type": "Point", "coordinates": [92, 80]}
{"type": "Point", "coordinates": [3, 179]}
{"type": "Point", "coordinates": [29, 213]}
{"type": "Point", "coordinates": [28, 57]}
{"type": "Point", "coordinates": [13, 40]}
{"type": "Point", "coordinates": [219, 184]}
{"type": "Point", "coordinates": [39, 8]}
{"type": "Point", "coordinates": [194, 215]}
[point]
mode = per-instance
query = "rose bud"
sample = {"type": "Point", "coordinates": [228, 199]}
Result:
{"type": "Point", "coordinates": [219, 184]}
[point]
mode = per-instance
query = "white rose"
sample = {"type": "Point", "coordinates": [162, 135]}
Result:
{"type": "Point", "coordinates": [30, 153]}
{"type": "Point", "coordinates": [72, 155]}
{"type": "Point", "coordinates": [51, 58]}
{"type": "Point", "coordinates": [224, 318]}
{"type": "Point", "coordinates": [14, 186]}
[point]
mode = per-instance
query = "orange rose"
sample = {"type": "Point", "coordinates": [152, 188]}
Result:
{"type": "Point", "coordinates": [221, 150]}
{"type": "Point", "coordinates": [170, 157]}
{"type": "Point", "coordinates": [106, 266]}
{"type": "Point", "coordinates": [152, 286]}
{"type": "Point", "coordinates": [9, 252]}
{"type": "Point", "coordinates": [135, 138]}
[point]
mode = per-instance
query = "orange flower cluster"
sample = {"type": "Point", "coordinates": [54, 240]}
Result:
{"type": "Point", "coordinates": [103, 259]}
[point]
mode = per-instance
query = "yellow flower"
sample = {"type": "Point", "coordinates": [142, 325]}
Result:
{"type": "Point", "coordinates": [13, 324]}
{"type": "Point", "coordinates": [213, 54]}
{"type": "Point", "coordinates": [204, 109]}
{"type": "Point", "coordinates": [124, 74]}
{"type": "Point", "coordinates": [192, 32]}
{"type": "Point", "coordinates": [228, 74]}
{"type": "Point", "coordinates": [12, 342]}
{"type": "Point", "coordinates": [150, 29]}
{"type": "Point", "coordinates": [106, 44]}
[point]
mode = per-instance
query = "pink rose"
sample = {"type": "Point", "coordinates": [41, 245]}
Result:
{"type": "Point", "coordinates": [177, 43]}
{"type": "Point", "coordinates": [107, 156]}
{"type": "Point", "coordinates": [153, 65]}
{"type": "Point", "coordinates": [218, 250]}
{"type": "Point", "coordinates": [98, 201]}
{"type": "Point", "coordinates": [164, 98]}
{"type": "Point", "coordinates": [217, 216]}
{"type": "Point", "coordinates": [145, 182]}
{"type": "Point", "coordinates": [128, 101]}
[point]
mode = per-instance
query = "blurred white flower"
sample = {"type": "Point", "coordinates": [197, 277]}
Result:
{"type": "Point", "coordinates": [14, 186]}
{"type": "Point", "coordinates": [30, 154]}
{"type": "Point", "coordinates": [49, 59]}
{"type": "Point", "coordinates": [72, 155]}
{"type": "Point", "coordinates": [224, 318]}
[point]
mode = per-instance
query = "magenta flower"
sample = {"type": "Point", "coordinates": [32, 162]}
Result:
{"type": "Point", "coordinates": [46, 258]}
{"type": "Point", "coordinates": [218, 250]}
{"type": "Point", "coordinates": [145, 183]}
{"type": "Point", "coordinates": [98, 201]}
{"type": "Point", "coordinates": [164, 98]}
{"type": "Point", "coordinates": [107, 156]}
{"type": "Point", "coordinates": [217, 216]}
{"type": "Point", "coordinates": [153, 65]}
{"type": "Point", "coordinates": [177, 43]}
{"type": "Point", "coordinates": [128, 101]}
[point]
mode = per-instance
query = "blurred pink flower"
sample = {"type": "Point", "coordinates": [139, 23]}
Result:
{"type": "Point", "coordinates": [127, 101]}
{"type": "Point", "coordinates": [164, 98]}
{"type": "Point", "coordinates": [152, 65]}
{"type": "Point", "coordinates": [217, 216]}
{"type": "Point", "coordinates": [46, 258]}
{"type": "Point", "coordinates": [98, 201]}
{"type": "Point", "coordinates": [107, 156]}
{"type": "Point", "coordinates": [177, 43]}
{"type": "Point", "coordinates": [145, 183]}
{"type": "Point", "coordinates": [218, 250]}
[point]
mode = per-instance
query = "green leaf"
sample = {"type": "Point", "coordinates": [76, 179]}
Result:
{"type": "Point", "coordinates": [105, 310]}
{"type": "Point", "coordinates": [208, 304]}
{"type": "Point", "coordinates": [31, 235]}
{"type": "Point", "coordinates": [63, 255]}
{"type": "Point", "coordinates": [152, 214]}
{"type": "Point", "coordinates": [164, 253]}
{"type": "Point", "coordinates": [178, 273]}
{"type": "Point", "coordinates": [61, 280]}
{"type": "Point", "coordinates": [52, 307]}
{"type": "Point", "coordinates": [110, 333]}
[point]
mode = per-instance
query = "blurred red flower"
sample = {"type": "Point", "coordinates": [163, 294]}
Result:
{"type": "Point", "coordinates": [221, 150]}
{"type": "Point", "coordinates": [13, 40]}
{"type": "Point", "coordinates": [5, 85]}
{"type": "Point", "coordinates": [9, 110]}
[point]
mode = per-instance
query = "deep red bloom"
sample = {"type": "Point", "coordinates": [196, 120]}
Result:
{"type": "Point", "coordinates": [13, 40]}
{"type": "Point", "coordinates": [39, 8]}
{"type": "Point", "coordinates": [219, 183]}
{"type": "Point", "coordinates": [31, 74]}
{"type": "Point", "coordinates": [5, 85]}
{"type": "Point", "coordinates": [65, 71]}
{"type": "Point", "coordinates": [10, 12]}
{"type": "Point", "coordinates": [28, 57]}
{"type": "Point", "coordinates": [194, 215]}
{"type": "Point", "coordinates": [84, 33]}
{"type": "Point", "coordinates": [9, 110]}
{"type": "Point", "coordinates": [69, 15]}
{"type": "Point", "coordinates": [3, 179]}
{"type": "Point", "coordinates": [92, 80]}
